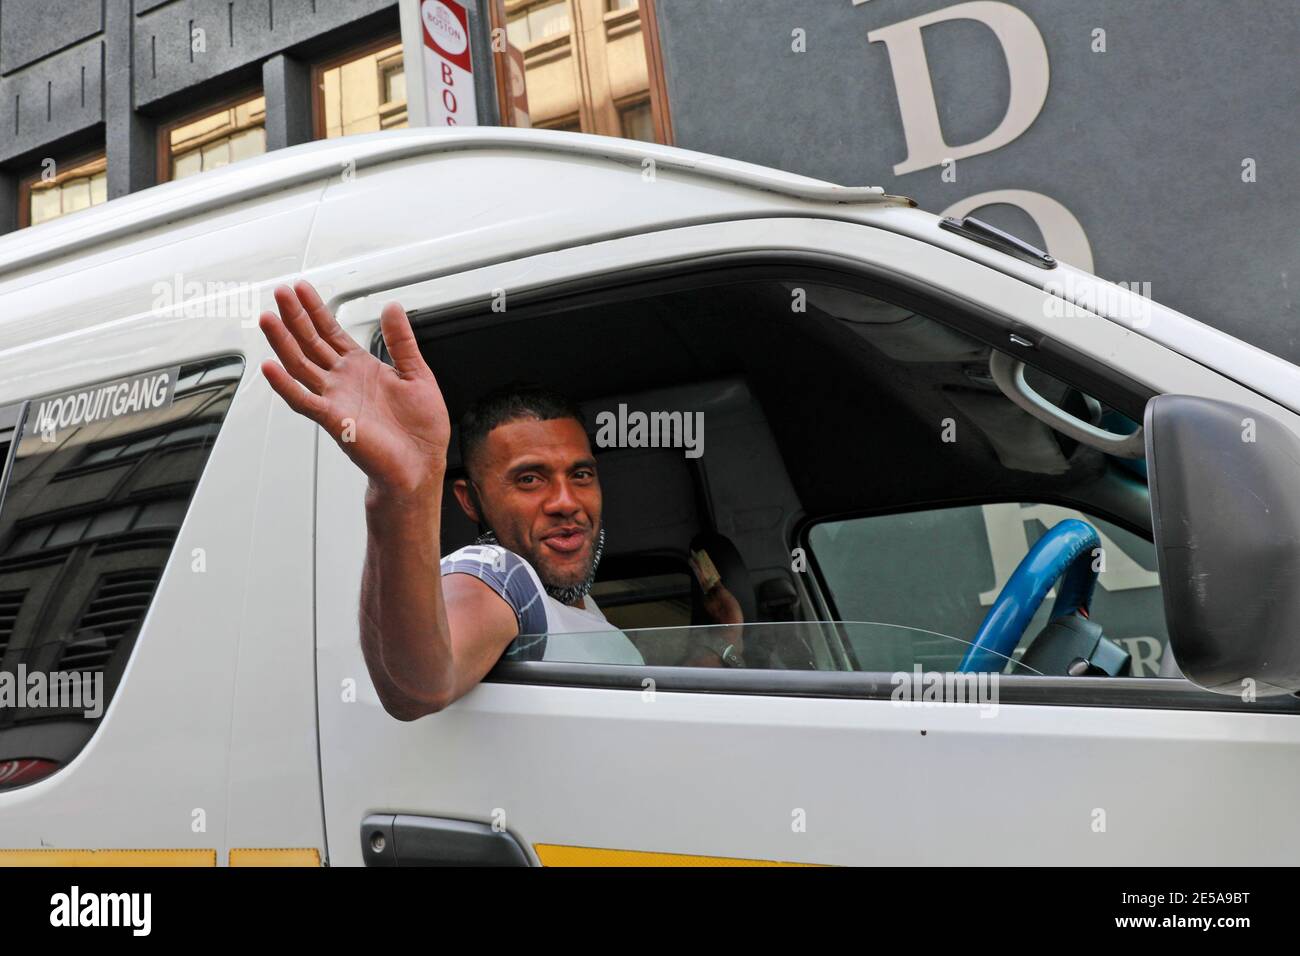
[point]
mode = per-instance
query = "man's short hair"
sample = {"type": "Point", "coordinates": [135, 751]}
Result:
{"type": "Point", "coordinates": [509, 403]}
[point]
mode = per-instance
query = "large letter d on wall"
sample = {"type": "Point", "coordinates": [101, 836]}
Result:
{"type": "Point", "coordinates": [1026, 56]}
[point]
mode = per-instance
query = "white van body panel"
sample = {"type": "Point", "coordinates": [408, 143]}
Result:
{"type": "Point", "coordinates": [213, 725]}
{"type": "Point", "coordinates": [617, 769]}
{"type": "Point", "coordinates": [213, 722]}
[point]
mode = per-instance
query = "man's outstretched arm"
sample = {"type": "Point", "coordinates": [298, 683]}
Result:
{"type": "Point", "coordinates": [426, 640]}
{"type": "Point", "coordinates": [402, 591]}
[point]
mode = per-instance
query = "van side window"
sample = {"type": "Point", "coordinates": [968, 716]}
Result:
{"type": "Point", "coordinates": [100, 480]}
{"type": "Point", "coordinates": [940, 570]}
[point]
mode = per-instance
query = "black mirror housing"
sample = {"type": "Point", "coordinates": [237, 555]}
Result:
{"type": "Point", "coordinates": [1225, 504]}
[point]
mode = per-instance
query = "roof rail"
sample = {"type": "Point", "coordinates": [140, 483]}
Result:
{"type": "Point", "coordinates": [310, 162]}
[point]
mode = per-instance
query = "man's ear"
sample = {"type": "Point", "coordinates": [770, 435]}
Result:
{"type": "Point", "coordinates": [466, 498]}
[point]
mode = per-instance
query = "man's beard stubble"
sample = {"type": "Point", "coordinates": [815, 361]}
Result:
{"type": "Point", "coordinates": [565, 594]}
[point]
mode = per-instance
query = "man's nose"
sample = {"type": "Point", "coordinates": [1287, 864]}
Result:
{"type": "Point", "coordinates": [562, 500]}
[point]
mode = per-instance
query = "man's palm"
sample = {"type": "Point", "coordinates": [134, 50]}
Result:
{"type": "Point", "coordinates": [390, 420]}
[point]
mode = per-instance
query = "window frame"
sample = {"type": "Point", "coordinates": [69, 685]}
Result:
{"type": "Point", "coordinates": [163, 149]}
{"type": "Point", "coordinates": [660, 107]}
{"type": "Point", "coordinates": [629, 103]}
{"type": "Point", "coordinates": [320, 67]}
{"type": "Point", "coordinates": [825, 597]}
{"type": "Point", "coordinates": [73, 163]}
{"type": "Point", "coordinates": [21, 409]}
{"type": "Point", "coordinates": [611, 22]}
{"type": "Point", "coordinates": [1051, 354]}
{"type": "Point", "coordinates": [571, 123]}
{"type": "Point", "coordinates": [527, 7]}
{"type": "Point", "coordinates": [804, 527]}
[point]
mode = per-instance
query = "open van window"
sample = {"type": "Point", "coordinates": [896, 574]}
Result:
{"type": "Point", "coordinates": [856, 442]}
{"type": "Point", "coordinates": [99, 484]}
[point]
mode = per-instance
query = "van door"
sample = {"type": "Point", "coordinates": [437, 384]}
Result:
{"type": "Point", "coordinates": [809, 754]}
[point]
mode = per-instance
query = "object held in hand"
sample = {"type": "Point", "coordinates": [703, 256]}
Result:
{"type": "Point", "coordinates": [706, 571]}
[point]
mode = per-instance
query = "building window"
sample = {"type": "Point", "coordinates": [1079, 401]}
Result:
{"type": "Point", "coordinates": [217, 138]}
{"type": "Point", "coordinates": [597, 60]}
{"type": "Point", "coordinates": [566, 124]}
{"type": "Point", "coordinates": [61, 188]}
{"type": "Point", "coordinates": [363, 91]}
{"type": "Point", "coordinates": [535, 21]}
{"type": "Point", "coordinates": [637, 121]}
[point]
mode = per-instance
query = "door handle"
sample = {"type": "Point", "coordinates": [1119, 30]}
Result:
{"type": "Point", "coordinates": [1009, 374]}
{"type": "Point", "coordinates": [400, 839]}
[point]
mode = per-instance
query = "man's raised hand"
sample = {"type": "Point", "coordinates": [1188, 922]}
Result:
{"type": "Point", "coordinates": [390, 420]}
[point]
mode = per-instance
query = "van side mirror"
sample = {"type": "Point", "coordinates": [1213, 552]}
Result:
{"type": "Point", "coordinates": [1225, 502]}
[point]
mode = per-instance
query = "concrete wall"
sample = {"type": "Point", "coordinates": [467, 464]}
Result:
{"type": "Point", "coordinates": [88, 75]}
{"type": "Point", "coordinates": [1142, 142]}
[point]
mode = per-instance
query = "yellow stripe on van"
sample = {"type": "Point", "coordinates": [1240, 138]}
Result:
{"type": "Point", "coordinates": [108, 857]}
{"type": "Point", "coordinates": [553, 855]}
{"type": "Point", "coordinates": [308, 856]}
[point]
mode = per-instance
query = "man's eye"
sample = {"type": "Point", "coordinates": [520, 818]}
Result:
{"type": "Point", "coordinates": [528, 479]}
{"type": "Point", "coordinates": [584, 474]}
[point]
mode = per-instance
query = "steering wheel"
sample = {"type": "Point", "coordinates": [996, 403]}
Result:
{"type": "Point", "coordinates": [1065, 554]}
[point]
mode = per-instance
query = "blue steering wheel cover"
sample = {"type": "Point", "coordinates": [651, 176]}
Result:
{"type": "Point", "coordinates": [1065, 552]}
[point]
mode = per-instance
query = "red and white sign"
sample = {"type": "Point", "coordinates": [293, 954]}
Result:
{"type": "Point", "coordinates": [448, 72]}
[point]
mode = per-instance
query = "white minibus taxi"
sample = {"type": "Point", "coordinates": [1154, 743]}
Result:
{"type": "Point", "coordinates": [1017, 549]}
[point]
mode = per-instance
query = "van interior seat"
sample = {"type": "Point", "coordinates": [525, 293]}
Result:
{"type": "Point", "coordinates": [660, 503]}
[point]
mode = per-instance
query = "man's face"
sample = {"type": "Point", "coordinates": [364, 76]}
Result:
{"type": "Point", "coordinates": [537, 485]}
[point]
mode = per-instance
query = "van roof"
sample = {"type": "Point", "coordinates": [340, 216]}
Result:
{"type": "Point", "coordinates": [296, 165]}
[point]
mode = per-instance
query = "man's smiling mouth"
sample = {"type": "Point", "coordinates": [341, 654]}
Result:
{"type": "Point", "coordinates": [566, 540]}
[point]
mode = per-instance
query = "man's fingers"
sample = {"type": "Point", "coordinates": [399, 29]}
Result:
{"type": "Point", "coordinates": [300, 325]}
{"type": "Point", "coordinates": [396, 330]}
{"type": "Point", "coordinates": [700, 577]}
{"type": "Point", "coordinates": [295, 396]}
{"type": "Point", "coordinates": [323, 319]}
{"type": "Point", "coordinates": [287, 350]}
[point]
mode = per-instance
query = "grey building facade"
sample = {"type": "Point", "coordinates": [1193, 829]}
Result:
{"type": "Point", "coordinates": [86, 75]}
{"type": "Point", "coordinates": [1168, 129]}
